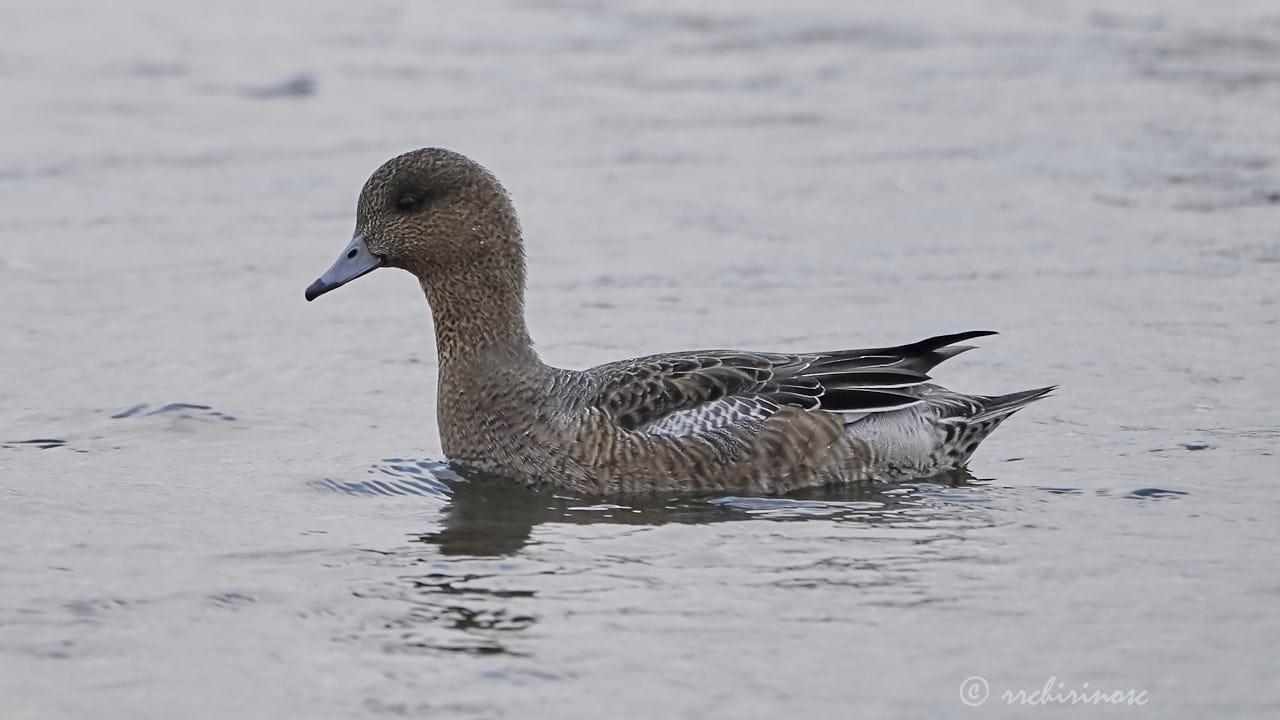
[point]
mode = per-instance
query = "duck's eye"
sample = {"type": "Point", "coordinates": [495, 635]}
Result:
{"type": "Point", "coordinates": [408, 202]}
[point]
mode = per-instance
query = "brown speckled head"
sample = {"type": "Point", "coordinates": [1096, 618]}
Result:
{"type": "Point", "coordinates": [434, 210]}
{"type": "Point", "coordinates": [447, 220]}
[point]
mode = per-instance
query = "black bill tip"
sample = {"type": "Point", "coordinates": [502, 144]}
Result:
{"type": "Point", "coordinates": [318, 288]}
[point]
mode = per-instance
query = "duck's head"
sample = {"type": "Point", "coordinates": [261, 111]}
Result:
{"type": "Point", "coordinates": [436, 214]}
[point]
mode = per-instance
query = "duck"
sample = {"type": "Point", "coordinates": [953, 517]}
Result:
{"type": "Point", "coordinates": [700, 421]}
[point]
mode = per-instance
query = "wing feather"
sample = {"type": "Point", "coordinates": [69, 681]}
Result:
{"type": "Point", "coordinates": [690, 392]}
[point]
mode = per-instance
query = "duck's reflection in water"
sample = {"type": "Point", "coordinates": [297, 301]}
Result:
{"type": "Point", "coordinates": [488, 516]}
{"type": "Point", "coordinates": [465, 586]}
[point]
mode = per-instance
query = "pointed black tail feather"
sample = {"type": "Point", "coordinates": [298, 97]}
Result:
{"type": "Point", "coordinates": [941, 341]}
{"type": "Point", "coordinates": [935, 350]}
{"type": "Point", "coordinates": [920, 356]}
{"type": "Point", "coordinates": [1005, 405]}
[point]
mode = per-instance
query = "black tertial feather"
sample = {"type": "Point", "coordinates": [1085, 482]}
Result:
{"type": "Point", "coordinates": [858, 400]}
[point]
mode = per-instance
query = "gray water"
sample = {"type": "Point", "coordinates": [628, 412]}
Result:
{"type": "Point", "coordinates": [219, 501]}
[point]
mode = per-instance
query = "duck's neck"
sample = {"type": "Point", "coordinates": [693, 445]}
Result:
{"type": "Point", "coordinates": [490, 379]}
{"type": "Point", "coordinates": [479, 320]}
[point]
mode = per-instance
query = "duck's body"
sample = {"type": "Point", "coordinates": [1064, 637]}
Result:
{"type": "Point", "coordinates": [705, 420]}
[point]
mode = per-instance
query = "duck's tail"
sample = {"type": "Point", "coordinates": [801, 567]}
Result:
{"type": "Point", "coordinates": [1002, 406]}
{"type": "Point", "coordinates": [967, 420]}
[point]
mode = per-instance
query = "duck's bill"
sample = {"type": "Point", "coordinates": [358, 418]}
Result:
{"type": "Point", "coordinates": [355, 260]}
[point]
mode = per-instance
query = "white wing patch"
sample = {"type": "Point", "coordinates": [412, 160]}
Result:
{"type": "Point", "coordinates": [730, 411]}
{"type": "Point", "coordinates": [855, 414]}
{"type": "Point", "coordinates": [713, 415]}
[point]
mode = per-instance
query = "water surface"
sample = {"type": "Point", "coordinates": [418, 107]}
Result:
{"type": "Point", "coordinates": [219, 501]}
